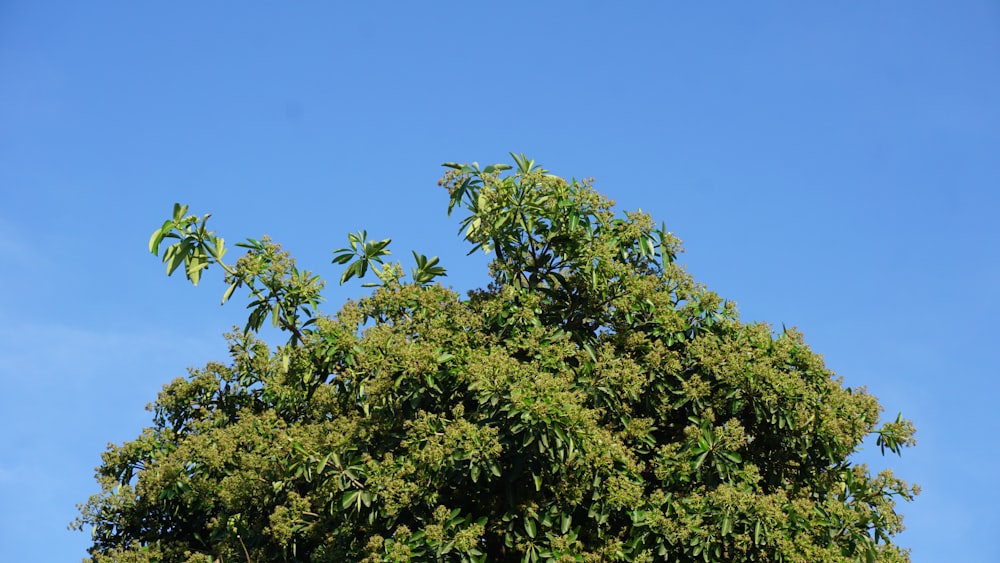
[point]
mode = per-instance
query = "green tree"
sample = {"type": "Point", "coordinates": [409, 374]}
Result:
{"type": "Point", "coordinates": [592, 403]}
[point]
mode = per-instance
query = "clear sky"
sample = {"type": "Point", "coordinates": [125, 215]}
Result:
{"type": "Point", "coordinates": [830, 166]}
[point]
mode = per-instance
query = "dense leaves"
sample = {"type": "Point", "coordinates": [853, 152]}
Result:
{"type": "Point", "coordinates": [592, 403]}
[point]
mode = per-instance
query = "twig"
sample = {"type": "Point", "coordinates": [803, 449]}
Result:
{"type": "Point", "coordinates": [245, 551]}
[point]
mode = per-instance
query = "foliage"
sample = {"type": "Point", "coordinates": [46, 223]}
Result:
{"type": "Point", "coordinates": [593, 403]}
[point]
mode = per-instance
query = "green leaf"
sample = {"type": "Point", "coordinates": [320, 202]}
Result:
{"type": "Point", "coordinates": [194, 266]}
{"type": "Point", "coordinates": [229, 292]}
{"type": "Point", "coordinates": [700, 460]}
{"type": "Point", "coordinates": [348, 274]}
{"type": "Point", "coordinates": [178, 256]}
{"type": "Point", "coordinates": [275, 313]}
{"type": "Point", "coordinates": [351, 498]}
{"type": "Point", "coordinates": [179, 211]}
{"type": "Point", "coordinates": [158, 235]}
{"type": "Point", "coordinates": [343, 258]}
{"type": "Point", "coordinates": [252, 244]}
{"type": "Point", "coordinates": [218, 247]}
{"type": "Point", "coordinates": [323, 462]}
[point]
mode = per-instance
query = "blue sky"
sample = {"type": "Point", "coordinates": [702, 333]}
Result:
{"type": "Point", "coordinates": [830, 167]}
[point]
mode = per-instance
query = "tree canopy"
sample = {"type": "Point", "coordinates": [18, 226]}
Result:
{"type": "Point", "coordinates": [591, 403]}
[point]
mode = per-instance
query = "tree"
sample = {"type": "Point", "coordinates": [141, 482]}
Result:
{"type": "Point", "coordinates": [592, 403]}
